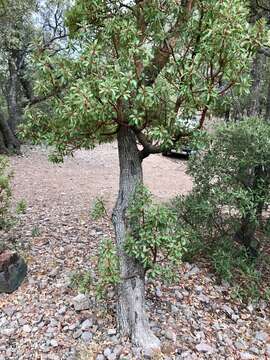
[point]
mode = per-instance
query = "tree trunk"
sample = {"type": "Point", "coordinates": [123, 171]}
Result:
{"type": "Point", "coordinates": [132, 319]}
{"type": "Point", "coordinates": [8, 141]}
{"type": "Point", "coordinates": [254, 105]}
{"type": "Point", "coordinates": [14, 109]}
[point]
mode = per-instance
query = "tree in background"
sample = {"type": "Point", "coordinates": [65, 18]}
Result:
{"type": "Point", "coordinates": [137, 71]}
{"type": "Point", "coordinates": [22, 25]}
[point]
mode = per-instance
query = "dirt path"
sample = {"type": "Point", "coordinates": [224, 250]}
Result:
{"type": "Point", "coordinates": [87, 175]}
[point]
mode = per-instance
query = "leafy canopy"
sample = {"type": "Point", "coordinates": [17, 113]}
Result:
{"type": "Point", "coordinates": [144, 64]}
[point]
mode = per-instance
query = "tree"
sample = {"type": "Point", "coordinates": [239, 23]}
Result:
{"type": "Point", "coordinates": [22, 25]}
{"type": "Point", "coordinates": [138, 69]}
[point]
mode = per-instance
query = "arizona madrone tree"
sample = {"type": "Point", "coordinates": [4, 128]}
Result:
{"type": "Point", "coordinates": [138, 68]}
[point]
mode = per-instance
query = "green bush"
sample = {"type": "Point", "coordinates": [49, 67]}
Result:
{"type": "Point", "coordinates": [108, 267]}
{"type": "Point", "coordinates": [154, 238]}
{"type": "Point", "coordinates": [225, 215]}
{"type": "Point", "coordinates": [231, 183]}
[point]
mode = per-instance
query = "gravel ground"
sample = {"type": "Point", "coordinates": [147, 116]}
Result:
{"type": "Point", "coordinates": [46, 319]}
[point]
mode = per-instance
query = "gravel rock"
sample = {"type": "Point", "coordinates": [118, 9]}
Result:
{"type": "Point", "coordinates": [81, 302]}
{"type": "Point", "coordinates": [262, 336]}
{"type": "Point", "coordinates": [100, 357]}
{"type": "Point", "coordinates": [27, 328]}
{"type": "Point", "coordinates": [246, 356]}
{"type": "Point", "coordinates": [203, 298]}
{"type": "Point", "coordinates": [170, 335]}
{"type": "Point", "coordinates": [112, 332]}
{"type": "Point", "coordinates": [13, 270]}
{"type": "Point", "coordinates": [205, 348]}
{"type": "Point", "coordinates": [107, 352]}
{"type": "Point", "coordinates": [53, 343]}
{"type": "Point", "coordinates": [77, 334]}
{"type": "Point", "coordinates": [87, 336]}
{"type": "Point", "coordinates": [86, 324]}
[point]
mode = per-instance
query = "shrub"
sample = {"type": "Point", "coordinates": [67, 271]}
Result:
{"type": "Point", "coordinates": [108, 267]}
{"type": "Point", "coordinates": [98, 209]}
{"type": "Point", "coordinates": [154, 238]}
{"type": "Point", "coordinates": [225, 215]}
{"type": "Point", "coordinates": [231, 183]}
{"type": "Point", "coordinates": [21, 207]}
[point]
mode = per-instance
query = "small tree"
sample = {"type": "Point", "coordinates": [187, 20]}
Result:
{"type": "Point", "coordinates": [138, 68]}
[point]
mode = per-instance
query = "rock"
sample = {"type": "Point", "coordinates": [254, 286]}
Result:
{"type": "Point", "coordinates": [205, 348]}
{"type": "Point", "coordinates": [203, 298]}
{"type": "Point", "coordinates": [100, 357]}
{"type": "Point", "coordinates": [54, 343]}
{"type": "Point", "coordinates": [228, 310]}
{"type": "Point", "coordinates": [86, 324]}
{"type": "Point", "coordinates": [174, 309]}
{"type": "Point", "coordinates": [13, 270]}
{"type": "Point", "coordinates": [27, 328]}
{"type": "Point", "coordinates": [178, 295]}
{"type": "Point", "coordinates": [7, 331]}
{"type": "Point", "coordinates": [87, 336]}
{"type": "Point", "coordinates": [246, 356]}
{"type": "Point", "coordinates": [107, 352]}
{"type": "Point", "coordinates": [240, 345]}
{"type": "Point", "coordinates": [170, 335]}
{"type": "Point", "coordinates": [254, 350]}
{"type": "Point", "coordinates": [194, 271]}
{"type": "Point", "coordinates": [62, 310]}
{"type": "Point", "coordinates": [77, 334]}
{"type": "Point", "coordinates": [81, 302]}
{"type": "Point", "coordinates": [118, 350]}
{"type": "Point", "coordinates": [9, 310]}
{"type": "Point", "coordinates": [261, 336]}
{"type": "Point", "coordinates": [158, 292]}
{"type": "Point", "coordinates": [112, 332]}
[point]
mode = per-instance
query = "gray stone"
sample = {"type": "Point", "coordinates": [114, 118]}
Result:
{"type": "Point", "coordinates": [112, 332]}
{"type": "Point", "coordinates": [254, 350]}
{"type": "Point", "coordinates": [87, 336]}
{"type": "Point", "coordinates": [194, 271]}
{"type": "Point", "coordinates": [170, 335]}
{"type": "Point", "coordinates": [62, 310]}
{"type": "Point", "coordinates": [228, 310]}
{"type": "Point", "coordinates": [261, 336]}
{"type": "Point", "coordinates": [203, 298]}
{"type": "Point", "coordinates": [246, 356]}
{"type": "Point", "coordinates": [205, 348]}
{"type": "Point", "coordinates": [86, 324]}
{"type": "Point", "coordinates": [9, 310]}
{"type": "Point", "coordinates": [81, 302]}
{"type": "Point", "coordinates": [174, 309]}
{"type": "Point", "coordinates": [100, 357]}
{"type": "Point", "coordinates": [107, 352]}
{"type": "Point", "coordinates": [7, 331]}
{"type": "Point", "coordinates": [53, 343]}
{"type": "Point", "coordinates": [27, 328]}
{"type": "Point", "coordinates": [178, 295]}
{"type": "Point", "coordinates": [77, 334]}
{"type": "Point", "coordinates": [13, 270]}
{"type": "Point", "coordinates": [240, 345]}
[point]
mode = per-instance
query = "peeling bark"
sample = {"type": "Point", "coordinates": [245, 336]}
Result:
{"type": "Point", "coordinates": [132, 318]}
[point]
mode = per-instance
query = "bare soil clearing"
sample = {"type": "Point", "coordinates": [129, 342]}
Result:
{"type": "Point", "coordinates": [89, 174]}
{"type": "Point", "coordinates": [195, 318]}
